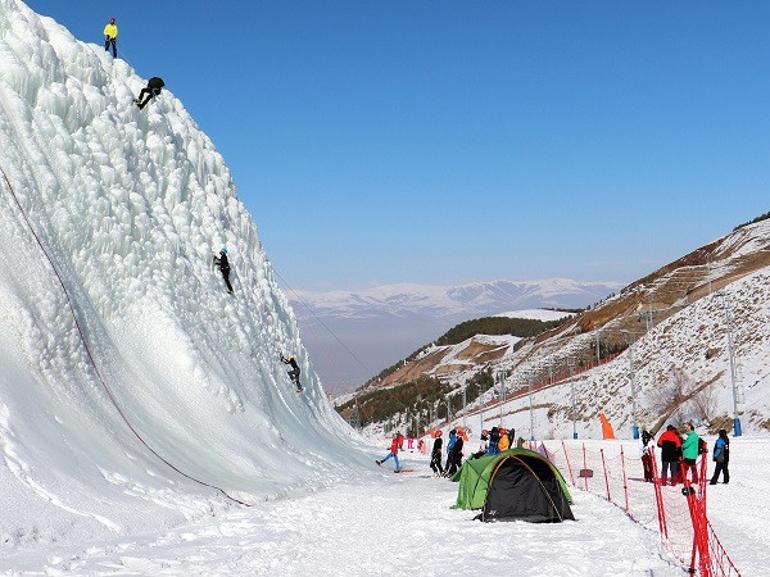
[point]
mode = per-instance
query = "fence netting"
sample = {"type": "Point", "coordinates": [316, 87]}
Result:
{"type": "Point", "coordinates": [676, 511]}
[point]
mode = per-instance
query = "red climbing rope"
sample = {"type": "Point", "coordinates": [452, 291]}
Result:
{"type": "Point", "coordinates": [99, 377]}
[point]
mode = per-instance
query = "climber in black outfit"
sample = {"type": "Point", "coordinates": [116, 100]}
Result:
{"type": "Point", "coordinates": [224, 266]}
{"type": "Point", "coordinates": [153, 89]}
{"type": "Point", "coordinates": [293, 372]}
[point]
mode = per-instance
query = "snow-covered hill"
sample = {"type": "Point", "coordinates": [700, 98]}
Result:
{"type": "Point", "coordinates": [678, 324]}
{"type": "Point", "coordinates": [173, 403]}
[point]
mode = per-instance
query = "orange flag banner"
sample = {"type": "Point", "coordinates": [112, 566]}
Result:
{"type": "Point", "coordinates": [607, 431]}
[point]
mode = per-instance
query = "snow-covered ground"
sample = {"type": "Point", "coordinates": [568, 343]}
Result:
{"type": "Point", "coordinates": [378, 523]}
{"type": "Point", "coordinates": [391, 525]}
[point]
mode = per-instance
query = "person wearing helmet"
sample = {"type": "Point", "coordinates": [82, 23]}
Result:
{"type": "Point", "coordinates": [154, 87]}
{"type": "Point", "coordinates": [435, 455]}
{"type": "Point", "coordinates": [111, 37]}
{"type": "Point", "coordinates": [223, 264]}
{"type": "Point", "coordinates": [293, 372]}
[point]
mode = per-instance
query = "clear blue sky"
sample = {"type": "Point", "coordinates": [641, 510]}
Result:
{"type": "Point", "coordinates": [457, 141]}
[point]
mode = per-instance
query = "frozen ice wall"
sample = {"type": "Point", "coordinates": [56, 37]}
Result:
{"type": "Point", "coordinates": [131, 206]}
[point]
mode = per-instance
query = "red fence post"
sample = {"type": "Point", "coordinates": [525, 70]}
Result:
{"type": "Point", "coordinates": [658, 497]}
{"type": "Point", "coordinates": [569, 465]}
{"type": "Point", "coordinates": [606, 478]}
{"type": "Point", "coordinates": [625, 479]}
{"type": "Point", "coordinates": [585, 468]}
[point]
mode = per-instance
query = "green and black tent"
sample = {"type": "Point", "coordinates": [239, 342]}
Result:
{"type": "Point", "coordinates": [515, 484]}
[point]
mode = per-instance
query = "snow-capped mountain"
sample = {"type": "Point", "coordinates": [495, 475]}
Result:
{"type": "Point", "coordinates": [134, 390]}
{"type": "Point", "coordinates": [383, 324]}
{"type": "Point", "coordinates": [454, 301]}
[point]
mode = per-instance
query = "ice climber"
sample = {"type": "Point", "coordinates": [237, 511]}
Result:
{"type": "Point", "coordinates": [293, 372]}
{"type": "Point", "coordinates": [153, 89]}
{"type": "Point", "coordinates": [223, 264]}
{"type": "Point", "coordinates": [393, 454]}
{"type": "Point", "coordinates": [111, 37]}
{"type": "Point", "coordinates": [435, 455]}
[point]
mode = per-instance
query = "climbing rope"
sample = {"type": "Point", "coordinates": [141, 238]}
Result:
{"type": "Point", "coordinates": [90, 356]}
{"type": "Point", "coordinates": [323, 324]}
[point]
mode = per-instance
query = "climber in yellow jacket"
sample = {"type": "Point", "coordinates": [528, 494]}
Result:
{"type": "Point", "coordinates": [111, 37]}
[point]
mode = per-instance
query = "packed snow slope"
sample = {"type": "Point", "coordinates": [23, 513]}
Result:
{"type": "Point", "coordinates": [131, 206]}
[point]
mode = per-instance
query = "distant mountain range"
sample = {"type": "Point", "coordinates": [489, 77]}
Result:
{"type": "Point", "coordinates": [385, 323]}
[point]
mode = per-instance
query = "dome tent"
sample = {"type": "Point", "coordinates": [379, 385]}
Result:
{"type": "Point", "coordinates": [516, 484]}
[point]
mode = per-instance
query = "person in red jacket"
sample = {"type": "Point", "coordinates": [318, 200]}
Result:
{"type": "Point", "coordinates": [670, 444]}
{"type": "Point", "coordinates": [394, 445]}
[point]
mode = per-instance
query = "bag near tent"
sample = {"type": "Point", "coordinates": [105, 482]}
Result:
{"type": "Point", "coordinates": [518, 484]}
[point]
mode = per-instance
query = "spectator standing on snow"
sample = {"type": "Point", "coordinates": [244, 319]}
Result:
{"type": "Point", "coordinates": [449, 446]}
{"type": "Point", "coordinates": [721, 458]}
{"type": "Point", "coordinates": [435, 455]}
{"type": "Point", "coordinates": [690, 453]}
{"type": "Point", "coordinates": [504, 443]}
{"type": "Point", "coordinates": [455, 459]}
{"type": "Point", "coordinates": [670, 444]}
{"type": "Point", "coordinates": [393, 454]}
{"type": "Point", "coordinates": [647, 456]}
{"type": "Point", "coordinates": [409, 442]}
{"type": "Point", "coordinates": [511, 438]}
{"type": "Point", "coordinates": [111, 37]}
{"type": "Point", "coordinates": [494, 440]}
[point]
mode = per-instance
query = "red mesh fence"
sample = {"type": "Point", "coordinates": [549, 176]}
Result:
{"type": "Point", "coordinates": [677, 512]}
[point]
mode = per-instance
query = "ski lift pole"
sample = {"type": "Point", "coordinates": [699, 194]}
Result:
{"type": "Point", "coordinates": [737, 394]}
{"type": "Point", "coordinates": [573, 402]}
{"type": "Point", "coordinates": [531, 413]}
{"type": "Point", "coordinates": [632, 377]}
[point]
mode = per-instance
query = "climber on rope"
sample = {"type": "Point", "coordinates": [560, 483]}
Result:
{"type": "Point", "coordinates": [293, 372]}
{"type": "Point", "coordinates": [111, 37]}
{"type": "Point", "coordinates": [224, 266]}
{"type": "Point", "coordinates": [153, 89]}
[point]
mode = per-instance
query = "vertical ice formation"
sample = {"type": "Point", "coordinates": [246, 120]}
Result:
{"type": "Point", "coordinates": [131, 207]}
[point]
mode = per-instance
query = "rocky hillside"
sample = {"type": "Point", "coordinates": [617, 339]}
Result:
{"type": "Point", "coordinates": [675, 319]}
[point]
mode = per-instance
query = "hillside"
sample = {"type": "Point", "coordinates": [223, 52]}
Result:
{"type": "Point", "coordinates": [682, 293]}
{"type": "Point", "coordinates": [134, 390]}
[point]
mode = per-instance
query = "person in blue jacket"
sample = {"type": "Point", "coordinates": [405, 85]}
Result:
{"type": "Point", "coordinates": [721, 457]}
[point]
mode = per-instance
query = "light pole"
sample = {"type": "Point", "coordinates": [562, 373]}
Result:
{"type": "Point", "coordinates": [598, 354]}
{"type": "Point", "coordinates": [465, 402]}
{"type": "Point", "coordinates": [632, 376]}
{"type": "Point", "coordinates": [501, 382]}
{"type": "Point", "coordinates": [531, 412]}
{"type": "Point", "coordinates": [737, 389]}
{"type": "Point", "coordinates": [572, 403]}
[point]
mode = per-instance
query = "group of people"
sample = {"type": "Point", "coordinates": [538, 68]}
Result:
{"type": "Point", "coordinates": [679, 452]}
{"type": "Point", "coordinates": [493, 442]}
{"type": "Point", "coordinates": [154, 88]}
{"type": "Point", "coordinates": [154, 85]}
{"type": "Point", "coordinates": [454, 457]}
